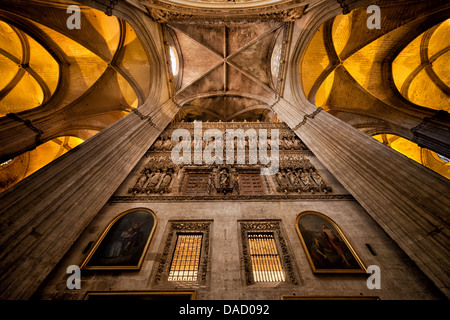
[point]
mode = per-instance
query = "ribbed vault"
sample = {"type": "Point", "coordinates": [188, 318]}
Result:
{"type": "Point", "coordinates": [388, 80]}
{"type": "Point", "coordinates": [216, 82]}
{"type": "Point", "coordinates": [83, 79]}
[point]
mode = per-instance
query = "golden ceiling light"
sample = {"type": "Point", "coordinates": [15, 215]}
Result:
{"type": "Point", "coordinates": [29, 162]}
{"type": "Point", "coordinates": [314, 61]}
{"type": "Point", "coordinates": [29, 73]}
{"type": "Point", "coordinates": [421, 71]}
{"type": "Point", "coordinates": [424, 156]}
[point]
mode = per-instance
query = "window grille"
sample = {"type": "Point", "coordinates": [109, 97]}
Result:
{"type": "Point", "coordinates": [186, 258]}
{"type": "Point", "coordinates": [265, 259]}
{"type": "Point", "coordinates": [196, 184]}
{"type": "Point", "coordinates": [250, 184]}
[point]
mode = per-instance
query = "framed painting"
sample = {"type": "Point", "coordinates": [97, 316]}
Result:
{"type": "Point", "coordinates": [326, 246]}
{"type": "Point", "coordinates": [123, 243]}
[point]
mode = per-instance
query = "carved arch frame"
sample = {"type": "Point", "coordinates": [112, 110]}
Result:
{"type": "Point", "coordinates": [344, 239]}
{"type": "Point", "coordinates": [105, 233]}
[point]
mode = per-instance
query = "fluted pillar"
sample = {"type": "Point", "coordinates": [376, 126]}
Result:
{"type": "Point", "coordinates": [42, 216]}
{"type": "Point", "coordinates": [409, 201]}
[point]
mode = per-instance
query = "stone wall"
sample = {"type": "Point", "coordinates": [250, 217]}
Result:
{"type": "Point", "coordinates": [400, 278]}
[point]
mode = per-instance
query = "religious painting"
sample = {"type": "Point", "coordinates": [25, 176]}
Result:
{"type": "Point", "coordinates": [326, 246]}
{"type": "Point", "coordinates": [123, 243]}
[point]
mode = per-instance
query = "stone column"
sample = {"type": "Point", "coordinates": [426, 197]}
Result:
{"type": "Point", "coordinates": [409, 201]}
{"type": "Point", "coordinates": [42, 216]}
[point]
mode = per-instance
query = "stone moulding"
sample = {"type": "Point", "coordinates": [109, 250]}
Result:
{"type": "Point", "coordinates": [231, 198]}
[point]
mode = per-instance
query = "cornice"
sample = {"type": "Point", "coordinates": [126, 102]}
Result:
{"type": "Point", "coordinates": [257, 198]}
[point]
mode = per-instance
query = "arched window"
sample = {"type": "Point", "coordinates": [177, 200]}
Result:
{"type": "Point", "coordinates": [124, 242]}
{"type": "Point", "coordinates": [326, 246]}
{"type": "Point", "coordinates": [173, 61]}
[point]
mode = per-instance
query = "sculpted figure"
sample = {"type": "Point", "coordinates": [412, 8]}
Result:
{"type": "Point", "coordinates": [287, 143]}
{"type": "Point", "coordinates": [158, 144]}
{"type": "Point", "coordinates": [167, 145]}
{"type": "Point", "coordinates": [293, 179]}
{"type": "Point", "coordinates": [306, 179]}
{"type": "Point", "coordinates": [224, 179]}
{"type": "Point", "coordinates": [282, 181]}
{"type": "Point", "coordinates": [154, 179]}
{"type": "Point", "coordinates": [142, 179]}
{"type": "Point", "coordinates": [297, 144]}
{"type": "Point", "coordinates": [316, 176]}
{"type": "Point", "coordinates": [165, 183]}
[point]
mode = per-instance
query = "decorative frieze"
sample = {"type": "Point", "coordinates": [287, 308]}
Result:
{"type": "Point", "coordinates": [299, 175]}
{"type": "Point", "coordinates": [266, 197]}
{"type": "Point", "coordinates": [162, 12]}
{"type": "Point", "coordinates": [296, 174]}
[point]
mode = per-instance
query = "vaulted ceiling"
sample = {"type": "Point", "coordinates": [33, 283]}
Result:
{"type": "Point", "coordinates": [380, 78]}
{"type": "Point", "coordinates": [93, 75]}
{"type": "Point", "coordinates": [85, 79]}
{"type": "Point", "coordinates": [227, 72]}
{"type": "Point", "coordinates": [231, 61]}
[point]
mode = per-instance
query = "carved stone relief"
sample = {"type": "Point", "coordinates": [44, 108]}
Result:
{"type": "Point", "coordinates": [161, 176]}
{"type": "Point", "coordinates": [299, 175]}
{"type": "Point", "coordinates": [170, 12]}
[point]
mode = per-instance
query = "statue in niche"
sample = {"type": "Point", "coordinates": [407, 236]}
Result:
{"type": "Point", "coordinates": [294, 181]}
{"type": "Point", "coordinates": [167, 176]}
{"type": "Point", "coordinates": [298, 145]}
{"type": "Point", "coordinates": [316, 177]}
{"type": "Point", "coordinates": [287, 144]}
{"type": "Point", "coordinates": [282, 181]}
{"type": "Point", "coordinates": [140, 183]}
{"type": "Point", "coordinates": [153, 182]}
{"type": "Point", "coordinates": [167, 145]}
{"type": "Point", "coordinates": [225, 181]}
{"type": "Point", "coordinates": [269, 143]}
{"type": "Point", "coordinates": [319, 181]}
{"type": "Point", "coordinates": [306, 179]}
{"type": "Point", "coordinates": [158, 144]}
